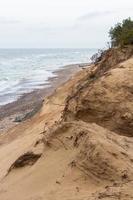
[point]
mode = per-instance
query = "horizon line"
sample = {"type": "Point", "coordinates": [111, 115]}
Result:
{"type": "Point", "coordinates": [50, 47]}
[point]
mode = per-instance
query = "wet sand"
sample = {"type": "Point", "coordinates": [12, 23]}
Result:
{"type": "Point", "coordinates": [28, 104]}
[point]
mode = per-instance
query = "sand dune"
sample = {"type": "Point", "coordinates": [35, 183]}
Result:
{"type": "Point", "coordinates": [79, 146]}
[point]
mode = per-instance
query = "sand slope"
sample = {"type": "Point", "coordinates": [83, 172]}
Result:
{"type": "Point", "coordinates": [78, 146]}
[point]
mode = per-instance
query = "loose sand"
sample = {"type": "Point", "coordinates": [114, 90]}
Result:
{"type": "Point", "coordinates": [67, 151]}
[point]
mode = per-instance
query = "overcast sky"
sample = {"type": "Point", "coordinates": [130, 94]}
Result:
{"type": "Point", "coordinates": [59, 23]}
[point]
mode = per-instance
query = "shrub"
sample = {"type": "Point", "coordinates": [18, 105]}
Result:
{"type": "Point", "coordinates": [97, 56]}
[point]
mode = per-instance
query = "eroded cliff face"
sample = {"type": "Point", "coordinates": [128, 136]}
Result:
{"type": "Point", "coordinates": [105, 96]}
{"type": "Point", "coordinates": [80, 145]}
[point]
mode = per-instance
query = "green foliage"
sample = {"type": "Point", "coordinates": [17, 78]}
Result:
{"type": "Point", "coordinates": [122, 33]}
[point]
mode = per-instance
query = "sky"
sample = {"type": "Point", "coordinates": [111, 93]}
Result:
{"type": "Point", "coordinates": [60, 23]}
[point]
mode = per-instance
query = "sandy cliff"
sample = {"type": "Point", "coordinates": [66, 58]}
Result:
{"type": "Point", "coordinates": [79, 146]}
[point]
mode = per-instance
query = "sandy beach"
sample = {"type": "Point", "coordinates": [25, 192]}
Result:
{"type": "Point", "coordinates": [28, 104]}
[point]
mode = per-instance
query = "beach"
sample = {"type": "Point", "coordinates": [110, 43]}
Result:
{"type": "Point", "coordinates": [27, 76]}
{"type": "Point", "coordinates": [29, 104]}
{"type": "Point", "coordinates": [79, 145]}
{"type": "Point", "coordinates": [66, 100]}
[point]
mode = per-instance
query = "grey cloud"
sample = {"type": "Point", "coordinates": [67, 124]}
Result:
{"type": "Point", "coordinates": [95, 14]}
{"type": "Point", "coordinates": [5, 21]}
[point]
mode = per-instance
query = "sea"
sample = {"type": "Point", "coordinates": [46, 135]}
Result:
{"type": "Point", "coordinates": [24, 70]}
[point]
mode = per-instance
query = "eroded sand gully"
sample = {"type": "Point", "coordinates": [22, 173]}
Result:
{"type": "Point", "coordinates": [79, 146]}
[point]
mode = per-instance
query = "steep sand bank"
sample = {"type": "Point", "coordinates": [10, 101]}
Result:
{"type": "Point", "coordinates": [72, 149]}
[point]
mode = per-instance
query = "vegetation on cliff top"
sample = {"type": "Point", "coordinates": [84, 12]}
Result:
{"type": "Point", "coordinates": [122, 33]}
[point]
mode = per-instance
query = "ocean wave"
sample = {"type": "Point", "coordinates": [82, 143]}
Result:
{"type": "Point", "coordinates": [23, 70]}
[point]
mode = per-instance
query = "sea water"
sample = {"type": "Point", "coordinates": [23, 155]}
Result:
{"type": "Point", "coordinates": [24, 70]}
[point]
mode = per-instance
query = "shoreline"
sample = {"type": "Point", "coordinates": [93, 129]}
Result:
{"type": "Point", "coordinates": [29, 104]}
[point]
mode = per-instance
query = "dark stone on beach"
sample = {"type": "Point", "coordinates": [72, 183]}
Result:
{"type": "Point", "coordinates": [18, 119]}
{"type": "Point", "coordinates": [28, 115]}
